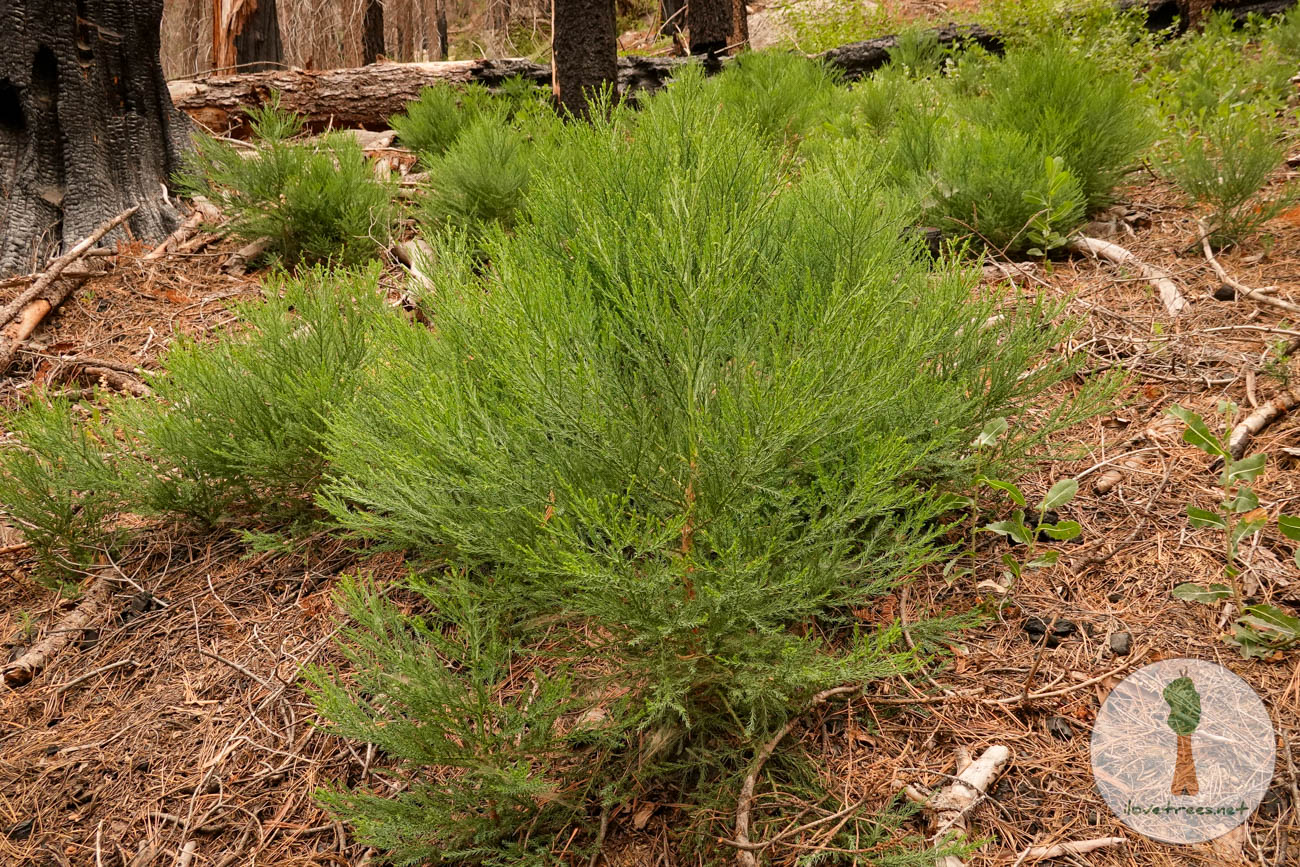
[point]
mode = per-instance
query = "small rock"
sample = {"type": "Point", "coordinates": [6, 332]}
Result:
{"type": "Point", "coordinates": [1225, 293]}
{"type": "Point", "coordinates": [1037, 628]}
{"type": "Point", "coordinates": [1121, 643]}
{"type": "Point", "coordinates": [1059, 727]}
{"type": "Point", "coordinates": [1114, 598]}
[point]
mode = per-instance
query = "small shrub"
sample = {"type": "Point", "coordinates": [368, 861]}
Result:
{"type": "Point", "coordinates": [448, 708]}
{"type": "Point", "coordinates": [998, 186]}
{"type": "Point", "coordinates": [481, 179]}
{"type": "Point", "coordinates": [699, 408]}
{"type": "Point", "coordinates": [238, 423]}
{"type": "Point", "coordinates": [432, 122]}
{"type": "Point", "coordinates": [1057, 98]}
{"type": "Point", "coordinates": [784, 96]}
{"type": "Point", "coordinates": [1223, 163]}
{"type": "Point", "coordinates": [316, 201]}
{"type": "Point", "coordinates": [917, 51]}
{"type": "Point", "coordinates": [56, 485]}
{"type": "Point", "coordinates": [1218, 68]}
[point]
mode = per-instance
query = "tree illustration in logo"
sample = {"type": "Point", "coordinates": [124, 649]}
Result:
{"type": "Point", "coordinates": [1184, 716]}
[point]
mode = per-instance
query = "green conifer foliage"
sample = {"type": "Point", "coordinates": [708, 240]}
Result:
{"type": "Point", "coordinates": [674, 429]}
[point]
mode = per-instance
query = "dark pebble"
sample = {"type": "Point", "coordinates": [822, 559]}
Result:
{"type": "Point", "coordinates": [1037, 628]}
{"type": "Point", "coordinates": [1121, 643]}
{"type": "Point", "coordinates": [1225, 293]}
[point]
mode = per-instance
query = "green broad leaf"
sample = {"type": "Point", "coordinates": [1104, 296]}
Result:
{"type": "Point", "coordinates": [1199, 593]}
{"type": "Point", "coordinates": [1061, 493]}
{"type": "Point", "coordinates": [1202, 518]}
{"type": "Point", "coordinates": [1290, 526]}
{"type": "Point", "coordinates": [1012, 564]}
{"type": "Point", "coordinates": [1245, 501]}
{"type": "Point", "coordinates": [1047, 558]}
{"type": "Point", "coordinates": [1248, 643]}
{"type": "Point", "coordinates": [1271, 621]}
{"type": "Point", "coordinates": [949, 502]}
{"type": "Point", "coordinates": [1246, 469]}
{"type": "Point", "coordinates": [1014, 528]}
{"type": "Point", "coordinates": [1244, 528]}
{"type": "Point", "coordinates": [1198, 432]}
{"type": "Point", "coordinates": [992, 431]}
{"type": "Point", "coordinates": [1062, 531]}
{"type": "Point", "coordinates": [1011, 490]}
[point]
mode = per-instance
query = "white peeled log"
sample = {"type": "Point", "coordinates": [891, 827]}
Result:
{"type": "Point", "coordinates": [1170, 295]}
{"type": "Point", "coordinates": [949, 805]}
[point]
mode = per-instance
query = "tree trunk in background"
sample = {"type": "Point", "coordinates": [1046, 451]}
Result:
{"type": "Point", "coordinates": [739, 25]}
{"type": "Point", "coordinates": [87, 128]}
{"type": "Point", "coordinates": [257, 43]}
{"type": "Point", "coordinates": [441, 29]}
{"type": "Point", "coordinates": [672, 17]}
{"type": "Point", "coordinates": [584, 51]}
{"type": "Point", "coordinates": [372, 32]}
{"type": "Point", "coordinates": [710, 25]}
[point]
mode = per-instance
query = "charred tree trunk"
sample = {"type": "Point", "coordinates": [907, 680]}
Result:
{"type": "Point", "coordinates": [739, 25]}
{"type": "Point", "coordinates": [257, 43]}
{"type": "Point", "coordinates": [584, 52]}
{"type": "Point", "coordinates": [672, 17]}
{"type": "Point", "coordinates": [87, 128]}
{"type": "Point", "coordinates": [372, 32]}
{"type": "Point", "coordinates": [710, 25]}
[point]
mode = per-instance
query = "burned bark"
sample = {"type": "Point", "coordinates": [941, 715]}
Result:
{"type": "Point", "coordinates": [710, 25]}
{"type": "Point", "coordinates": [87, 128]}
{"type": "Point", "coordinates": [257, 42]}
{"type": "Point", "coordinates": [372, 31]}
{"type": "Point", "coordinates": [584, 52]}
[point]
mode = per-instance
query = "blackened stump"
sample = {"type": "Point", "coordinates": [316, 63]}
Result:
{"type": "Point", "coordinates": [584, 52]}
{"type": "Point", "coordinates": [87, 127]}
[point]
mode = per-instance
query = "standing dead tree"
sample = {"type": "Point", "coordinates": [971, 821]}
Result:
{"type": "Point", "coordinates": [87, 128]}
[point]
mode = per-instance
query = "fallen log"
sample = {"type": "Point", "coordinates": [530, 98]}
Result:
{"type": "Point", "coordinates": [40, 654]}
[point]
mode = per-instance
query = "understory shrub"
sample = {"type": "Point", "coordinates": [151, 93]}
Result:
{"type": "Point", "coordinates": [1223, 162]}
{"type": "Point", "coordinates": [233, 432]}
{"type": "Point", "coordinates": [783, 95]}
{"type": "Point", "coordinates": [1057, 97]}
{"type": "Point", "coordinates": [56, 485]}
{"type": "Point", "coordinates": [433, 121]}
{"type": "Point", "coordinates": [237, 424]}
{"type": "Point", "coordinates": [998, 185]}
{"type": "Point", "coordinates": [697, 410]}
{"type": "Point", "coordinates": [315, 200]}
{"type": "Point", "coordinates": [1224, 67]}
{"type": "Point", "coordinates": [480, 179]}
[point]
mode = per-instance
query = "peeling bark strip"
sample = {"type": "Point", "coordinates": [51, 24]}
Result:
{"type": "Point", "coordinates": [87, 128]}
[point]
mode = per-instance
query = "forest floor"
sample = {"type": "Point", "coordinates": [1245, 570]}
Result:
{"type": "Point", "coordinates": [178, 733]}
